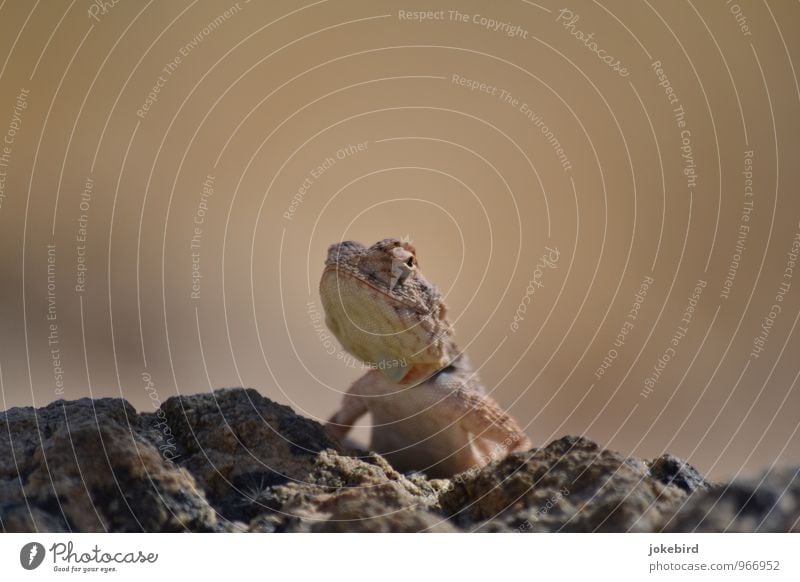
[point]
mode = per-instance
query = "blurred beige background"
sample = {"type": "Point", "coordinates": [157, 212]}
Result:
{"type": "Point", "coordinates": [189, 162]}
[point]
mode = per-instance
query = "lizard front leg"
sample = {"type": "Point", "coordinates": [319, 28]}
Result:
{"type": "Point", "coordinates": [481, 416]}
{"type": "Point", "coordinates": [353, 407]}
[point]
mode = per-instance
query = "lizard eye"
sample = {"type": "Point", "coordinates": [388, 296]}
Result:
{"type": "Point", "coordinates": [403, 264]}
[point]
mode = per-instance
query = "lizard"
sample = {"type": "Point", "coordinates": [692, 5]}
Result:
{"type": "Point", "coordinates": [430, 411]}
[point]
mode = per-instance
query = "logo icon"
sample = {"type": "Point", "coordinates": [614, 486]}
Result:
{"type": "Point", "coordinates": [31, 555]}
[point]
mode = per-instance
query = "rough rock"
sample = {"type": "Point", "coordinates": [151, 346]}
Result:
{"type": "Point", "coordinates": [90, 465]}
{"type": "Point", "coordinates": [233, 460]}
{"type": "Point", "coordinates": [569, 485]}
{"type": "Point", "coordinates": [769, 503]}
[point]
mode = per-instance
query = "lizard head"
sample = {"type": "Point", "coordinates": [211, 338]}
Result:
{"type": "Point", "coordinates": [383, 310]}
{"type": "Point", "coordinates": [386, 264]}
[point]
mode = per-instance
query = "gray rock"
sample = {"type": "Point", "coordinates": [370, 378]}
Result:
{"type": "Point", "coordinates": [769, 503]}
{"type": "Point", "coordinates": [232, 460]}
{"type": "Point", "coordinates": [674, 471]}
{"type": "Point", "coordinates": [569, 485]}
{"type": "Point", "coordinates": [88, 465]}
{"type": "Point", "coordinates": [237, 443]}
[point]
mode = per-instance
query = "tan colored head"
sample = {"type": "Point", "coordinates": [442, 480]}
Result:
{"type": "Point", "coordinates": [384, 311]}
{"type": "Point", "coordinates": [388, 262]}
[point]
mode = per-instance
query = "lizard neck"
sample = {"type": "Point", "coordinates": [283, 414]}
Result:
{"type": "Point", "coordinates": [420, 374]}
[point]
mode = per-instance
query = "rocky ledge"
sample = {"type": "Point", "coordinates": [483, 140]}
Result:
{"type": "Point", "coordinates": [233, 460]}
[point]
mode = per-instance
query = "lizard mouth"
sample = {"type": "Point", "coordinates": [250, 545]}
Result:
{"type": "Point", "coordinates": [354, 303]}
{"type": "Point", "coordinates": [394, 294]}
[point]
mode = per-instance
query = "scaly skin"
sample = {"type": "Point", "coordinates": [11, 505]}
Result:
{"type": "Point", "coordinates": [429, 410]}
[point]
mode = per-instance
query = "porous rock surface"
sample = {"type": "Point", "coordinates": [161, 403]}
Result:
{"type": "Point", "coordinates": [233, 460]}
